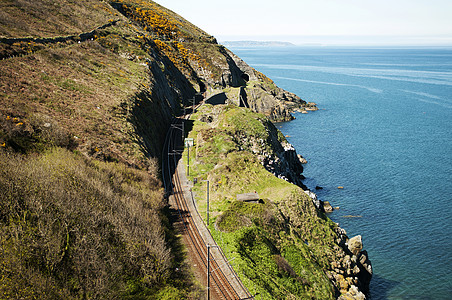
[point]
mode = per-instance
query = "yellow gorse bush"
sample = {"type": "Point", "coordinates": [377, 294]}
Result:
{"type": "Point", "coordinates": [152, 19]}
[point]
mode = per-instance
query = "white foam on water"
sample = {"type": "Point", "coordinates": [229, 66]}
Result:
{"type": "Point", "coordinates": [374, 90]}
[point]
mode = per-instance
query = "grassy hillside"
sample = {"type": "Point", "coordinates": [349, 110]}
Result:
{"type": "Point", "coordinates": [73, 228]}
{"type": "Point", "coordinates": [48, 18]}
{"type": "Point", "coordinates": [283, 246]}
{"type": "Point", "coordinates": [83, 115]}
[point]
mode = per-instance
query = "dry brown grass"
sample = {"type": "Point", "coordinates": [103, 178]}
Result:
{"type": "Point", "coordinates": [82, 88]}
{"type": "Point", "coordinates": [48, 18]}
{"type": "Point", "coordinates": [76, 227]}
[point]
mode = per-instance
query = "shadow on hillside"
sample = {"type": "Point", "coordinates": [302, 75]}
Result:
{"type": "Point", "coordinates": [151, 110]}
{"type": "Point", "coordinates": [150, 121]}
{"type": "Point", "coordinates": [173, 149]}
{"type": "Point", "coordinates": [217, 99]}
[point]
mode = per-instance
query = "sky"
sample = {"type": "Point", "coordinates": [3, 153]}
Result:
{"type": "Point", "coordinates": [326, 22]}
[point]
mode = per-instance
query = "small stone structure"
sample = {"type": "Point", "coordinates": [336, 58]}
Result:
{"type": "Point", "coordinates": [248, 197]}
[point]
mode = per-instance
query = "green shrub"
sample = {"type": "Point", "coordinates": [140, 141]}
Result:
{"type": "Point", "coordinates": [282, 245]}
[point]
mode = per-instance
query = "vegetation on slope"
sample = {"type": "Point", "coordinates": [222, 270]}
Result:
{"type": "Point", "coordinates": [182, 42]}
{"type": "Point", "coordinates": [82, 123]}
{"type": "Point", "coordinates": [49, 18]}
{"type": "Point", "coordinates": [86, 89]}
{"type": "Point", "coordinates": [281, 245]}
{"type": "Point", "coordinates": [159, 21]}
{"type": "Point", "coordinates": [72, 227]}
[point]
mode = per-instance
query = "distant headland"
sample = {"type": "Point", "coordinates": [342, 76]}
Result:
{"type": "Point", "coordinates": [257, 44]}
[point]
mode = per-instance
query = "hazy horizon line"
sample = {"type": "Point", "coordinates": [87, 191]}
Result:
{"type": "Point", "coordinates": [346, 40]}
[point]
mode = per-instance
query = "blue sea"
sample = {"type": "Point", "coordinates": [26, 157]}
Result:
{"type": "Point", "coordinates": [384, 132]}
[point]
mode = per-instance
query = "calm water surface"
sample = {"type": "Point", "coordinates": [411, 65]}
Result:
{"type": "Point", "coordinates": [384, 132]}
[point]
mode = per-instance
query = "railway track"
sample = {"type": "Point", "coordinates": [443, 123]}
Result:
{"type": "Point", "coordinates": [221, 272]}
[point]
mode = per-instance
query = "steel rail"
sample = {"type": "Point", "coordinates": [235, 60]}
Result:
{"type": "Point", "coordinates": [173, 185]}
{"type": "Point", "coordinates": [222, 283]}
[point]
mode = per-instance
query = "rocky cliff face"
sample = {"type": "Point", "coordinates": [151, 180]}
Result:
{"type": "Point", "coordinates": [208, 66]}
{"type": "Point", "coordinates": [351, 269]}
{"type": "Point", "coordinates": [280, 159]}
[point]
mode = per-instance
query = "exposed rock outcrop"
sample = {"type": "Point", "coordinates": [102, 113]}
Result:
{"type": "Point", "coordinates": [302, 159]}
{"type": "Point", "coordinates": [355, 245]}
{"type": "Point", "coordinates": [280, 158]}
{"type": "Point", "coordinates": [352, 271]}
{"type": "Point", "coordinates": [257, 92]}
{"type": "Point", "coordinates": [327, 206]}
{"type": "Point", "coordinates": [276, 103]}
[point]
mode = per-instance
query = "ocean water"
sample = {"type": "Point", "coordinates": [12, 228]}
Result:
{"type": "Point", "coordinates": [384, 133]}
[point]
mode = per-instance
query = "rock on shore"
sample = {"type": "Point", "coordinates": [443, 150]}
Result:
{"type": "Point", "coordinates": [352, 271]}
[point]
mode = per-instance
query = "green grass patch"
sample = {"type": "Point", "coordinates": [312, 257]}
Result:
{"type": "Point", "coordinates": [281, 245]}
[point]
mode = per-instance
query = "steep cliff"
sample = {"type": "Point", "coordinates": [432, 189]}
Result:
{"type": "Point", "coordinates": [210, 67]}
{"type": "Point", "coordinates": [151, 55]}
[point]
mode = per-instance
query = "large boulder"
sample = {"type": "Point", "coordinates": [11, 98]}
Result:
{"type": "Point", "coordinates": [302, 160]}
{"type": "Point", "coordinates": [327, 207]}
{"type": "Point", "coordinates": [355, 244]}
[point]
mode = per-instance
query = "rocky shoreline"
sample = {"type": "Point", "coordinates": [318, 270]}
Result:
{"type": "Point", "coordinates": [351, 271]}
{"type": "Point", "coordinates": [348, 268]}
